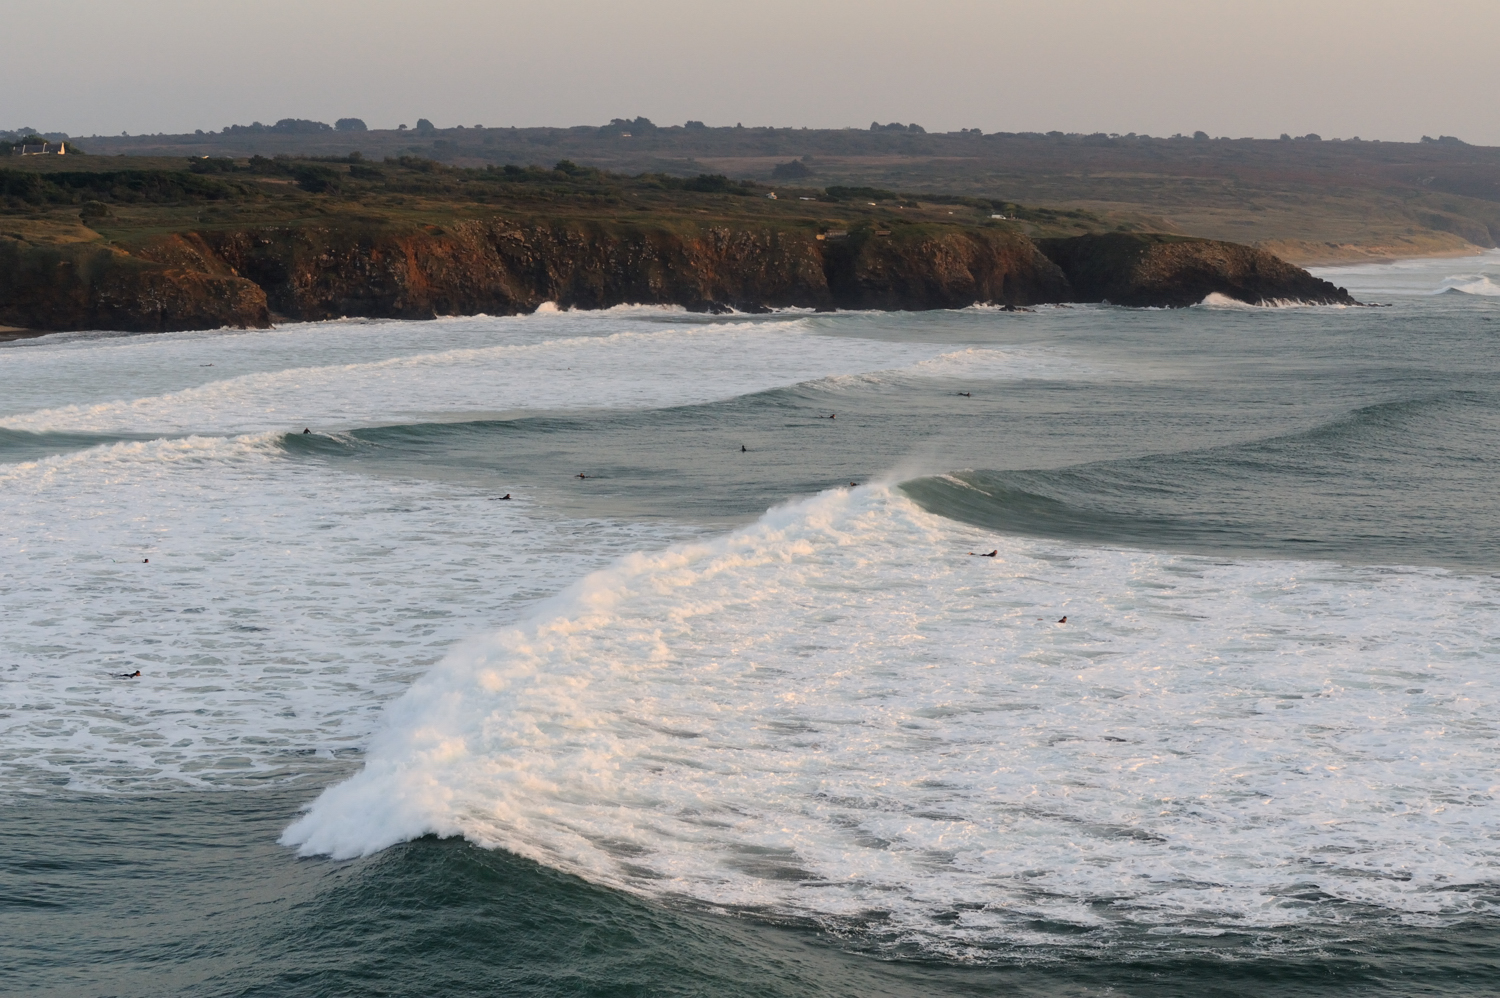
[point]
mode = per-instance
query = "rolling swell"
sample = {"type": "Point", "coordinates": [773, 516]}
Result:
{"type": "Point", "coordinates": [1355, 488]}
{"type": "Point", "coordinates": [22, 445]}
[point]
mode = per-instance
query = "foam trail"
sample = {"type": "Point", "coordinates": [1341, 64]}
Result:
{"type": "Point", "coordinates": [837, 712]}
{"type": "Point", "coordinates": [1216, 300]}
{"type": "Point", "coordinates": [281, 604]}
{"type": "Point", "coordinates": [672, 366]}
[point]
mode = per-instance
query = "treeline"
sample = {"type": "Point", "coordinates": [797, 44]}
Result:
{"type": "Point", "coordinates": [221, 179]}
{"type": "Point", "coordinates": [295, 126]}
{"type": "Point", "coordinates": [22, 188]}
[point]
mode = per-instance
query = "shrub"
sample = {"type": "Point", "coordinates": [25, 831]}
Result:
{"type": "Point", "coordinates": [861, 194]}
{"type": "Point", "coordinates": [316, 179]}
{"type": "Point", "coordinates": [713, 183]}
{"type": "Point", "coordinates": [299, 126]}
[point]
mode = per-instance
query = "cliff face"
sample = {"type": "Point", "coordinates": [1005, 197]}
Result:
{"type": "Point", "coordinates": [922, 269]}
{"type": "Point", "coordinates": [87, 286]}
{"type": "Point", "coordinates": [503, 267]}
{"type": "Point", "coordinates": [244, 277]}
{"type": "Point", "coordinates": [1172, 271]}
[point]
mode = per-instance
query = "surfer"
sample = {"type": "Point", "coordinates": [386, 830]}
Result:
{"type": "Point", "coordinates": [306, 431]}
{"type": "Point", "coordinates": [580, 475]}
{"type": "Point", "coordinates": [993, 554]}
{"type": "Point", "coordinates": [743, 448]}
{"type": "Point", "coordinates": [967, 395]}
{"type": "Point", "coordinates": [501, 498]}
{"type": "Point", "coordinates": [128, 675]}
{"type": "Point", "coordinates": [1064, 619]}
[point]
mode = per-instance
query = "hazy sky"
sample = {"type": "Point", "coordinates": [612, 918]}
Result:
{"type": "Point", "coordinates": [1373, 68]}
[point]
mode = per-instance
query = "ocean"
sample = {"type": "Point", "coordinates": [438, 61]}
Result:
{"type": "Point", "coordinates": [1075, 651]}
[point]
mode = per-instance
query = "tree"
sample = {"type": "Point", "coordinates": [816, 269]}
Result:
{"type": "Point", "coordinates": [299, 126]}
{"type": "Point", "coordinates": [424, 126]}
{"type": "Point", "coordinates": [350, 125]}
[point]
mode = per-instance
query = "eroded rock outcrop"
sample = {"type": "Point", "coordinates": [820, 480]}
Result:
{"type": "Point", "coordinates": [1145, 270]}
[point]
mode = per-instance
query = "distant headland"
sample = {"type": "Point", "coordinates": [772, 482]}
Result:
{"type": "Point", "coordinates": [148, 244]}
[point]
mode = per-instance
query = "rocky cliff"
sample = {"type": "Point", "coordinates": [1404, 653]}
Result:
{"type": "Point", "coordinates": [88, 286]}
{"type": "Point", "coordinates": [1144, 270]}
{"type": "Point", "coordinates": [500, 267]}
{"type": "Point", "coordinates": [246, 276]}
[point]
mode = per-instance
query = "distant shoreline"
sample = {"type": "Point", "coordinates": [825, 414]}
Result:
{"type": "Point", "coordinates": [1310, 254]}
{"type": "Point", "coordinates": [1478, 253]}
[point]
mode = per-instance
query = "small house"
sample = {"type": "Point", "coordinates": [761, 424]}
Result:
{"type": "Point", "coordinates": [43, 148]}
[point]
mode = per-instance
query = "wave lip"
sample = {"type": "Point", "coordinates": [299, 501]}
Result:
{"type": "Point", "coordinates": [1471, 284]}
{"type": "Point", "coordinates": [837, 712]}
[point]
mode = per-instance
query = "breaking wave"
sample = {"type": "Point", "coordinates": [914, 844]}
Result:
{"type": "Point", "coordinates": [839, 714]}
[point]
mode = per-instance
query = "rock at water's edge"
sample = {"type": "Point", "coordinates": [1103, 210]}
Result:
{"type": "Point", "coordinates": [1151, 270]}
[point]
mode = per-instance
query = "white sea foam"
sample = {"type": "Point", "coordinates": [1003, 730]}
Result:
{"type": "Point", "coordinates": [284, 600]}
{"type": "Point", "coordinates": [837, 713]}
{"type": "Point", "coordinates": [282, 603]}
{"type": "Point", "coordinates": [994, 364]}
{"type": "Point", "coordinates": [1216, 300]}
{"type": "Point", "coordinates": [661, 367]}
{"type": "Point", "coordinates": [81, 368]}
{"type": "Point", "coordinates": [1475, 275]}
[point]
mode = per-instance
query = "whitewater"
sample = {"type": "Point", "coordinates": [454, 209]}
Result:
{"type": "Point", "coordinates": [1076, 635]}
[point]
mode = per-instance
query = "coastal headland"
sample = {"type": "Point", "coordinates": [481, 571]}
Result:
{"type": "Point", "coordinates": [143, 244]}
